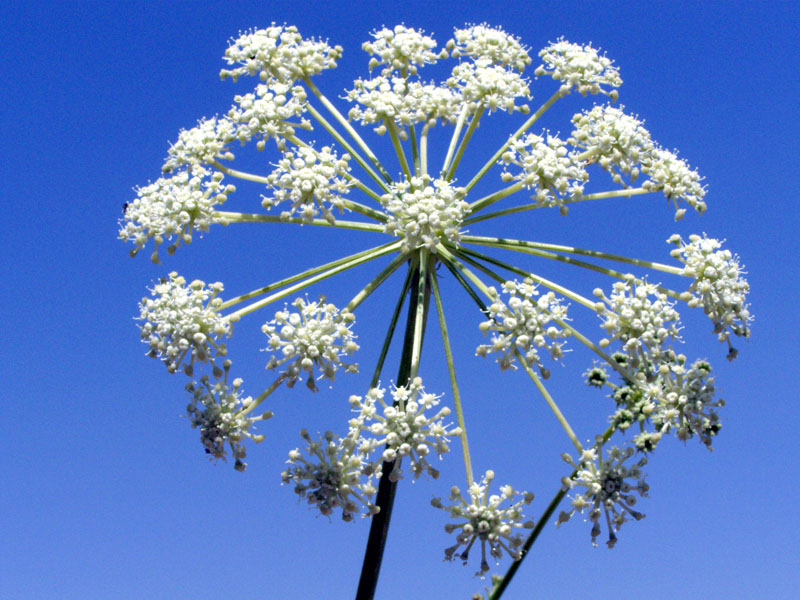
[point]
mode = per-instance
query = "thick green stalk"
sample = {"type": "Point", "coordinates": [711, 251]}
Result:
{"type": "Point", "coordinates": [379, 527]}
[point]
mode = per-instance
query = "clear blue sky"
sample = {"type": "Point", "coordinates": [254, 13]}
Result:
{"type": "Point", "coordinates": [105, 490]}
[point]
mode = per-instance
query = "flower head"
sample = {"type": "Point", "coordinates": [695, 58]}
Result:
{"type": "Point", "coordinates": [402, 101]}
{"type": "Point", "coordinates": [524, 323]}
{"type": "Point", "coordinates": [312, 181]}
{"type": "Point", "coordinates": [673, 176]}
{"type": "Point", "coordinates": [579, 67]}
{"type": "Point", "coordinates": [618, 142]}
{"type": "Point", "coordinates": [173, 207]}
{"type": "Point", "coordinates": [609, 485]}
{"type": "Point", "coordinates": [267, 113]}
{"type": "Point", "coordinates": [547, 168]}
{"type": "Point", "coordinates": [718, 286]}
{"type": "Point", "coordinates": [400, 49]}
{"type": "Point", "coordinates": [485, 520]}
{"type": "Point", "coordinates": [278, 52]}
{"type": "Point", "coordinates": [483, 42]}
{"type": "Point", "coordinates": [201, 145]}
{"type": "Point", "coordinates": [483, 84]}
{"type": "Point", "coordinates": [403, 428]}
{"type": "Point", "coordinates": [220, 412]}
{"type": "Point", "coordinates": [182, 322]}
{"type": "Point", "coordinates": [642, 325]}
{"type": "Point", "coordinates": [317, 336]}
{"type": "Point", "coordinates": [333, 477]}
{"type": "Point", "coordinates": [425, 212]}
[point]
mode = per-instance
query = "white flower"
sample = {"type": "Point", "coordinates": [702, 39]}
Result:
{"type": "Point", "coordinates": [482, 42]}
{"type": "Point", "coordinates": [401, 49]}
{"type": "Point", "coordinates": [614, 139]}
{"type": "Point", "coordinates": [686, 400]}
{"type": "Point", "coordinates": [718, 286]}
{"type": "Point", "coordinates": [172, 207]}
{"type": "Point", "coordinates": [402, 101]}
{"type": "Point", "coordinates": [425, 212]}
{"type": "Point", "coordinates": [278, 52]}
{"type": "Point", "coordinates": [609, 489]}
{"type": "Point", "coordinates": [311, 181]}
{"type": "Point", "coordinates": [669, 173]}
{"type": "Point", "coordinates": [217, 410]}
{"type": "Point", "coordinates": [485, 520]}
{"type": "Point", "coordinates": [491, 86]}
{"type": "Point", "coordinates": [317, 336]}
{"type": "Point", "coordinates": [642, 325]}
{"type": "Point", "coordinates": [547, 167]}
{"type": "Point", "coordinates": [579, 67]}
{"type": "Point", "coordinates": [266, 113]}
{"type": "Point", "coordinates": [524, 323]}
{"type": "Point", "coordinates": [202, 144]}
{"type": "Point", "coordinates": [403, 428]}
{"type": "Point", "coordinates": [183, 322]}
{"type": "Point", "coordinates": [333, 478]}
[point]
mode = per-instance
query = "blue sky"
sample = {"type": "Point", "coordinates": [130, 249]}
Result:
{"type": "Point", "coordinates": [106, 492]}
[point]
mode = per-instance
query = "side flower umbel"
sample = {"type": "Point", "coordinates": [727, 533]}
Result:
{"type": "Point", "coordinates": [524, 324]}
{"type": "Point", "coordinates": [487, 521]}
{"type": "Point", "coordinates": [183, 321]}
{"type": "Point", "coordinates": [403, 428]}
{"type": "Point", "coordinates": [334, 477]}
{"type": "Point", "coordinates": [609, 485]}
{"type": "Point", "coordinates": [718, 285]}
{"type": "Point", "coordinates": [220, 413]}
{"type": "Point", "coordinates": [317, 336]}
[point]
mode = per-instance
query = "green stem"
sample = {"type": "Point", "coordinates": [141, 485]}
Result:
{"type": "Point", "coordinates": [349, 128]}
{"type": "Point", "coordinates": [473, 124]}
{"type": "Point", "coordinates": [525, 126]}
{"type": "Point", "coordinates": [536, 205]}
{"type": "Point", "coordinates": [299, 276]}
{"type": "Point", "coordinates": [226, 218]}
{"type": "Point", "coordinates": [398, 147]}
{"type": "Point", "coordinates": [375, 283]}
{"type": "Point", "coordinates": [498, 590]}
{"type": "Point", "coordinates": [550, 402]}
{"type": "Point", "coordinates": [240, 174]}
{"type": "Point", "coordinates": [456, 133]}
{"type": "Point", "coordinates": [303, 284]}
{"type": "Point", "coordinates": [412, 137]}
{"type": "Point", "coordinates": [491, 199]}
{"type": "Point", "coordinates": [453, 383]}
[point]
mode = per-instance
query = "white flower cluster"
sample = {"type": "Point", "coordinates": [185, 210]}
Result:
{"type": "Point", "coordinates": [482, 42]}
{"type": "Point", "coordinates": [485, 520]}
{"type": "Point", "coordinates": [524, 323]}
{"type": "Point", "coordinates": [403, 428]}
{"type": "Point", "coordinates": [312, 181]}
{"type": "Point", "coordinates": [669, 173]}
{"type": "Point", "coordinates": [182, 321]}
{"type": "Point", "coordinates": [315, 337]}
{"type": "Point", "coordinates": [401, 49]}
{"type": "Point", "coordinates": [172, 207]}
{"type": "Point", "coordinates": [718, 286]}
{"type": "Point", "coordinates": [614, 139]}
{"type": "Point", "coordinates": [546, 167]}
{"type": "Point", "coordinates": [202, 144]}
{"type": "Point", "coordinates": [642, 325]}
{"type": "Point", "coordinates": [685, 399]}
{"type": "Point", "coordinates": [424, 212]}
{"type": "Point", "coordinates": [579, 67]}
{"type": "Point", "coordinates": [483, 84]}
{"type": "Point", "coordinates": [266, 113]}
{"type": "Point", "coordinates": [609, 489]}
{"type": "Point", "coordinates": [218, 411]}
{"type": "Point", "coordinates": [402, 101]}
{"type": "Point", "coordinates": [278, 52]}
{"type": "Point", "coordinates": [333, 477]}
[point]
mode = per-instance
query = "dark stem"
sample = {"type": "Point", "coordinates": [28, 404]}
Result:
{"type": "Point", "coordinates": [379, 528]}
